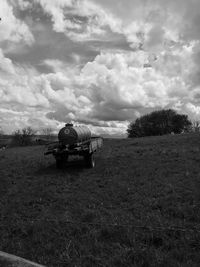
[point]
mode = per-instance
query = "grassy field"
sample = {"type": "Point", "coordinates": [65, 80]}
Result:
{"type": "Point", "coordinates": [140, 205]}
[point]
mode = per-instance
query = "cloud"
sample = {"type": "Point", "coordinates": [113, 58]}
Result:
{"type": "Point", "coordinates": [155, 25]}
{"type": "Point", "coordinates": [148, 24]}
{"type": "Point", "coordinates": [79, 20]}
{"type": "Point", "coordinates": [100, 63]}
{"type": "Point", "coordinates": [117, 87]}
{"type": "Point", "coordinates": [11, 28]}
{"type": "Point", "coordinates": [108, 92]}
{"type": "Point", "coordinates": [18, 85]}
{"type": "Point", "coordinates": [6, 65]}
{"type": "Point", "coordinates": [193, 110]}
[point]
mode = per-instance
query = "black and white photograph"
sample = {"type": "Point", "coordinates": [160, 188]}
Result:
{"type": "Point", "coordinates": [99, 133]}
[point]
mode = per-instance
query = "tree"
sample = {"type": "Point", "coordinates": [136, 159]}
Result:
{"type": "Point", "coordinates": [196, 126]}
{"type": "Point", "coordinates": [23, 137]}
{"type": "Point", "coordinates": [159, 123]}
{"type": "Point", "coordinates": [48, 132]}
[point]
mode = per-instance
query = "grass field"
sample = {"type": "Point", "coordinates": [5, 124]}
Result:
{"type": "Point", "coordinates": [140, 205]}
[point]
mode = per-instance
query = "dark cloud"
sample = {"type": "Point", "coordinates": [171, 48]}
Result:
{"type": "Point", "coordinates": [51, 45]}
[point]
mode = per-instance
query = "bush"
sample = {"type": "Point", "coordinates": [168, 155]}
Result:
{"type": "Point", "coordinates": [23, 137]}
{"type": "Point", "coordinates": [159, 123]}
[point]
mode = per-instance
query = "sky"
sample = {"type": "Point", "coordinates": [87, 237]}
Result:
{"type": "Point", "coordinates": [99, 63]}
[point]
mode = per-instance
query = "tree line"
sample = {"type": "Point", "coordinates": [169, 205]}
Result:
{"type": "Point", "coordinates": [159, 122]}
{"type": "Point", "coordinates": [27, 136]}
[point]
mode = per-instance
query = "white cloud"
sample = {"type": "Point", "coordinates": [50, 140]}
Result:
{"type": "Point", "coordinates": [11, 28]}
{"type": "Point", "coordinates": [18, 85]}
{"type": "Point", "coordinates": [6, 64]}
{"type": "Point", "coordinates": [117, 87]}
{"type": "Point", "coordinates": [107, 92]}
{"type": "Point", "coordinates": [80, 20]}
{"type": "Point", "coordinates": [194, 109]}
{"type": "Point", "coordinates": [161, 71]}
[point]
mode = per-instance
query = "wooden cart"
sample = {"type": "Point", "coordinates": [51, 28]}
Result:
{"type": "Point", "coordinates": [86, 149]}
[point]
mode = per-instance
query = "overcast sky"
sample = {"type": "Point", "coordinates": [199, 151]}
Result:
{"type": "Point", "coordinates": [101, 63]}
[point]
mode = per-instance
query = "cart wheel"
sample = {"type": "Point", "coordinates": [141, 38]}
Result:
{"type": "Point", "coordinates": [89, 160]}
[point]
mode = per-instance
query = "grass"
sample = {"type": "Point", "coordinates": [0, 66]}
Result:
{"type": "Point", "coordinates": [140, 205]}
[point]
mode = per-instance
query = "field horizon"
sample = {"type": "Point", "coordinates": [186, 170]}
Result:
{"type": "Point", "coordinates": [139, 206]}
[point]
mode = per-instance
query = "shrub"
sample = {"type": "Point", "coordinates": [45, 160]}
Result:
{"type": "Point", "coordinates": [23, 137]}
{"type": "Point", "coordinates": [159, 123]}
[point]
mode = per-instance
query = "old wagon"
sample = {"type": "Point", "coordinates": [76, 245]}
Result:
{"type": "Point", "coordinates": [74, 140]}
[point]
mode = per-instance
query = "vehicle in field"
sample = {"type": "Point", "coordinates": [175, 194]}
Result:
{"type": "Point", "coordinates": [74, 140]}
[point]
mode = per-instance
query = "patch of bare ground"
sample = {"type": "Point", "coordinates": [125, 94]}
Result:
{"type": "Point", "coordinates": [140, 205]}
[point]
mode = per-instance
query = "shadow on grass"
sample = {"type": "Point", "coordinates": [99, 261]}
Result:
{"type": "Point", "coordinates": [71, 167]}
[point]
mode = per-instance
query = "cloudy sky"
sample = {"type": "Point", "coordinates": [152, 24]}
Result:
{"type": "Point", "coordinates": [101, 63]}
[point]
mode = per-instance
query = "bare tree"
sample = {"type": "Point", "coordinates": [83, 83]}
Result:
{"type": "Point", "coordinates": [23, 137]}
{"type": "Point", "coordinates": [48, 132]}
{"type": "Point", "coordinates": [196, 126]}
{"type": "Point", "coordinates": [28, 131]}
